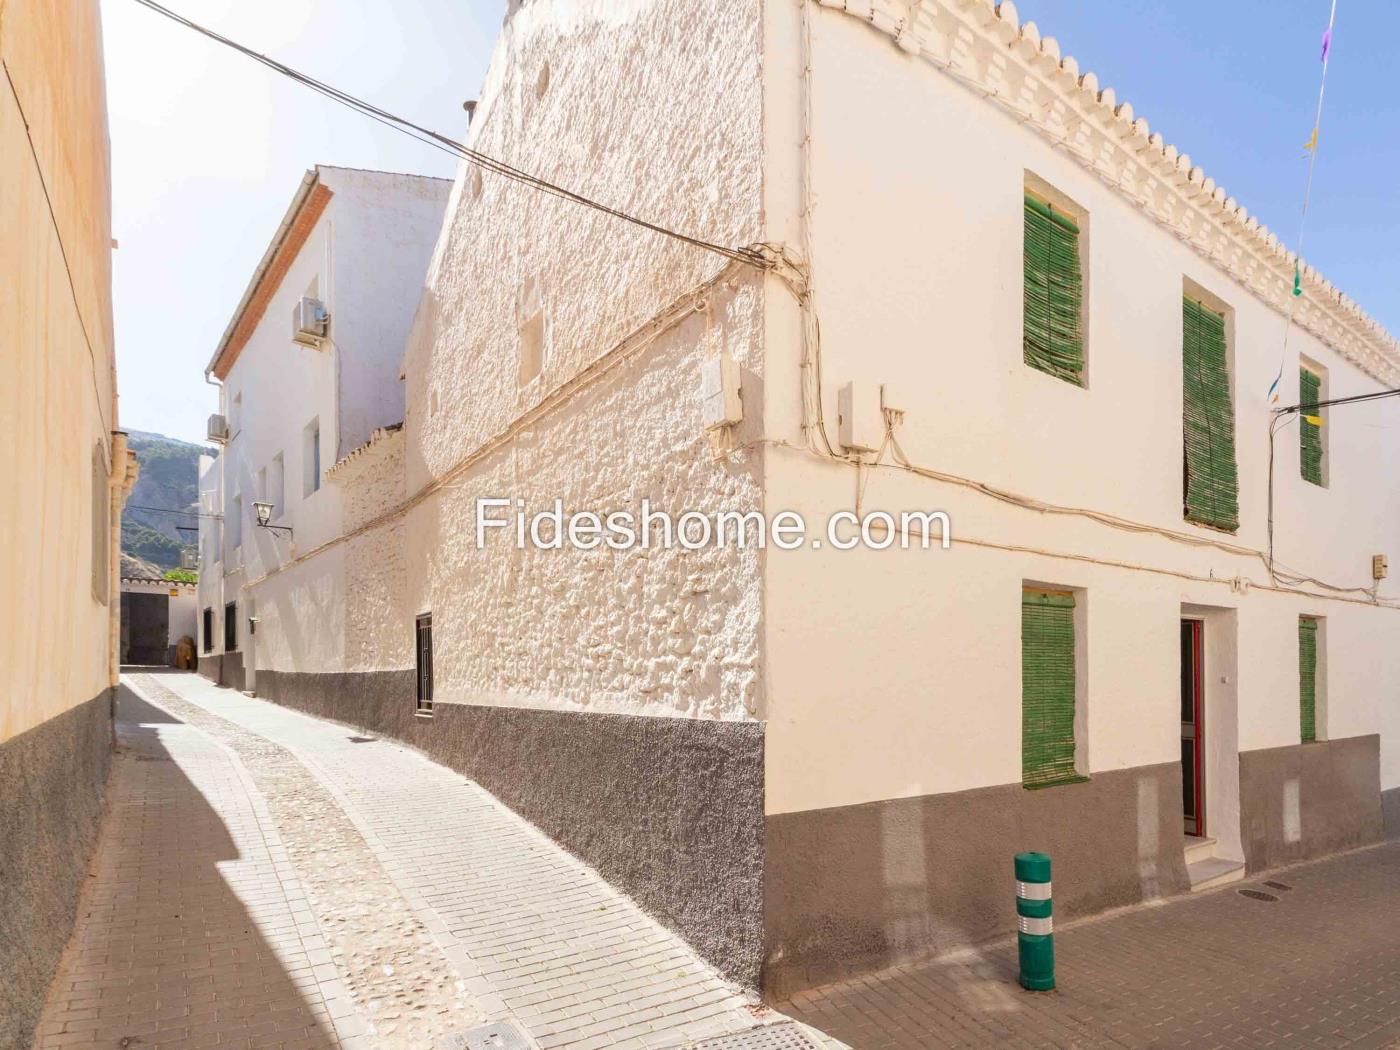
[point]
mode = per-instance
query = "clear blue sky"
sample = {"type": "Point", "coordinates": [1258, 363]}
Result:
{"type": "Point", "coordinates": [209, 147]}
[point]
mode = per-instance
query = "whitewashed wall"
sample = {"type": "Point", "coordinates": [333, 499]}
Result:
{"type": "Point", "coordinates": [364, 258]}
{"type": "Point", "coordinates": [918, 246]}
{"type": "Point", "coordinates": [654, 107]}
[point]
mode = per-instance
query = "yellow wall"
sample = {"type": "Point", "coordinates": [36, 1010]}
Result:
{"type": "Point", "coordinates": [57, 394]}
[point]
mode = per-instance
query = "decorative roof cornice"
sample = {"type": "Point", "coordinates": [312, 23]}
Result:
{"type": "Point", "coordinates": [984, 45]}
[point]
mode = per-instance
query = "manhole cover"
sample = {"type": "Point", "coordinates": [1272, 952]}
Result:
{"type": "Point", "coordinates": [488, 1037]}
{"type": "Point", "coordinates": [1277, 885]}
{"type": "Point", "coordinates": [771, 1037]}
{"type": "Point", "coordinates": [361, 739]}
{"type": "Point", "coordinates": [1258, 895]}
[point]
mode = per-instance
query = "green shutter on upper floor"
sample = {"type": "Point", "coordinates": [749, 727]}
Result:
{"type": "Point", "coordinates": [1309, 432]}
{"type": "Point", "coordinates": [1307, 678]}
{"type": "Point", "coordinates": [1211, 494]}
{"type": "Point", "coordinates": [1047, 688]}
{"type": "Point", "coordinates": [1053, 328]}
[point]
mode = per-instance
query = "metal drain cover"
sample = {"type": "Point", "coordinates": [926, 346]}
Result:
{"type": "Point", "coordinates": [1277, 885]}
{"type": "Point", "coordinates": [1257, 895]}
{"type": "Point", "coordinates": [770, 1037]}
{"type": "Point", "coordinates": [488, 1037]}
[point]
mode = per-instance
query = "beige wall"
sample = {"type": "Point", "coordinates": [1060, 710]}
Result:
{"type": "Point", "coordinates": [57, 404]}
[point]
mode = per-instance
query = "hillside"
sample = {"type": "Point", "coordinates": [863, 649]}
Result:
{"type": "Point", "coordinates": [169, 481]}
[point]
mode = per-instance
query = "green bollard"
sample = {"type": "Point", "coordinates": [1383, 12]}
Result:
{"type": "Point", "coordinates": [1036, 938]}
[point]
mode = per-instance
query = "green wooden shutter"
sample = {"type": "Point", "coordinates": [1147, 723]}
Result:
{"type": "Point", "coordinates": [1047, 688]}
{"type": "Point", "coordinates": [1310, 434]}
{"type": "Point", "coordinates": [1212, 483]}
{"type": "Point", "coordinates": [1054, 339]}
{"type": "Point", "coordinates": [1307, 677]}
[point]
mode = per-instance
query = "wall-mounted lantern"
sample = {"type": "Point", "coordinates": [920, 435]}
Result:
{"type": "Point", "coordinates": [263, 510]}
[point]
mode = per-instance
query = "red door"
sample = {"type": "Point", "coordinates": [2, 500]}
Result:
{"type": "Point", "coordinates": [1192, 728]}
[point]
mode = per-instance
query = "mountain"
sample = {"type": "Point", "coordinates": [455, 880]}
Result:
{"type": "Point", "coordinates": [166, 495]}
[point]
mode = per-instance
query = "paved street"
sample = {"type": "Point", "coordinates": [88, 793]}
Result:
{"type": "Point", "coordinates": [269, 880]}
{"type": "Point", "coordinates": [1317, 968]}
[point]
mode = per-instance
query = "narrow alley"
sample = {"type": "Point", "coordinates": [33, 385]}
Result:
{"type": "Point", "coordinates": [269, 880]}
{"type": "Point", "coordinates": [265, 879]}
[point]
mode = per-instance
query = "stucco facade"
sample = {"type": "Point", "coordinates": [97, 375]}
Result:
{"type": "Point", "coordinates": [357, 241]}
{"type": "Point", "coordinates": [809, 762]}
{"type": "Point", "coordinates": [64, 474]}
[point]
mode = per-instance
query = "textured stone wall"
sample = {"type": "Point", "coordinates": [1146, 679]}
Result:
{"type": "Point", "coordinates": [653, 107]}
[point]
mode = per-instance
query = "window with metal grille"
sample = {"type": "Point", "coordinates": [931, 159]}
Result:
{"type": "Point", "coordinates": [1053, 339]}
{"type": "Point", "coordinates": [1307, 677]}
{"type": "Point", "coordinates": [1048, 688]}
{"type": "Point", "coordinates": [231, 627]}
{"type": "Point", "coordinates": [1211, 481]}
{"type": "Point", "coordinates": [1310, 425]}
{"type": "Point", "coordinates": [208, 629]}
{"type": "Point", "coordinates": [424, 649]}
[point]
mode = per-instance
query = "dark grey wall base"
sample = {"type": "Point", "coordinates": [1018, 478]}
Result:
{"type": "Point", "coordinates": [1338, 800]}
{"type": "Point", "coordinates": [670, 810]}
{"type": "Point", "coordinates": [1390, 813]}
{"type": "Point", "coordinates": [858, 888]}
{"type": "Point", "coordinates": [52, 779]}
{"type": "Point", "coordinates": [222, 669]}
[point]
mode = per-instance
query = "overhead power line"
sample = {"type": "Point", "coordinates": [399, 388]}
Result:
{"type": "Point", "coordinates": [748, 255]}
{"type": "Point", "coordinates": [1355, 398]}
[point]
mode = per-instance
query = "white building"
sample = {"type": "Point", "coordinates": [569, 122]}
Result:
{"type": "Point", "coordinates": [813, 762]}
{"type": "Point", "coordinates": [308, 370]}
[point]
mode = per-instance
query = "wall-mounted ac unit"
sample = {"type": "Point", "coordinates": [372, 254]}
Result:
{"type": "Point", "coordinates": [218, 428]}
{"type": "Point", "coordinates": [309, 319]}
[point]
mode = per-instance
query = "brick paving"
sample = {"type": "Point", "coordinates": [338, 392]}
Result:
{"type": "Point", "coordinates": [269, 881]}
{"type": "Point", "coordinates": [194, 929]}
{"type": "Point", "coordinates": [535, 936]}
{"type": "Point", "coordinates": [1315, 970]}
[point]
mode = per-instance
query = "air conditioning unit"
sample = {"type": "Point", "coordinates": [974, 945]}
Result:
{"type": "Point", "coordinates": [218, 428]}
{"type": "Point", "coordinates": [309, 320]}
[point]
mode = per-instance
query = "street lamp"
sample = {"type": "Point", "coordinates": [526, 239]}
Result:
{"type": "Point", "coordinates": [263, 510]}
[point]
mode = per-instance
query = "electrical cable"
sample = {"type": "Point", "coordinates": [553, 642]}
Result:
{"type": "Point", "coordinates": [170, 510]}
{"type": "Point", "coordinates": [750, 256]}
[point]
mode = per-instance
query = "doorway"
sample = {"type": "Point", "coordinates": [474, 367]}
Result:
{"type": "Point", "coordinates": [1193, 726]}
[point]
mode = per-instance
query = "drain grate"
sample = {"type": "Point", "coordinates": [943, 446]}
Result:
{"type": "Point", "coordinates": [1277, 885]}
{"type": "Point", "coordinates": [487, 1037]}
{"type": "Point", "coordinates": [361, 739]}
{"type": "Point", "coordinates": [1257, 895]}
{"type": "Point", "coordinates": [770, 1037]}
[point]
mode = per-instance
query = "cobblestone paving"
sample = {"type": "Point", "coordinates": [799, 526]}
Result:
{"type": "Point", "coordinates": [396, 978]}
{"type": "Point", "coordinates": [194, 928]}
{"type": "Point", "coordinates": [1318, 969]}
{"type": "Point", "coordinates": [537, 936]}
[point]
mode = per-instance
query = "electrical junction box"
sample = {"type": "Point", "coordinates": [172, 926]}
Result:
{"type": "Point", "coordinates": [309, 320]}
{"type": "Point", "coordinates": [860, 422]}
{"type": "Point", "coordinates": [1380, 567]}
{"type": "Point", "coordinates": [720, 403]}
